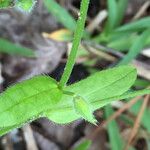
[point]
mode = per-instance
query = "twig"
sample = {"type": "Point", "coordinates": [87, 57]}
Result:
{"type": "Point", "coordinates": [142, 68]}
{"type": "Point", "coordinates": [101, 54]}
{"type": "Point", "coordinates": [6, 143]}
{"type": "Point", "coordinates": [141, 10]}
{"type": "Point", "coordinates": [29, 138]}
{"type": "Point", "coordinates": [114, 116]}
{"type": "Point", "coordinates": [137, 122]}
{"type": "Point", "coordinates": [97, 20]}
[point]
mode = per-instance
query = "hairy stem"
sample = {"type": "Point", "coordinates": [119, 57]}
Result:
{"type": "Point", "coordinates": [76, 41]}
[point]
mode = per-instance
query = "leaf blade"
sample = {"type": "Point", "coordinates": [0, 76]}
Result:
{"type": "Point", "coordinates": [10, 48]}
{"type": "Point", "coordinates": [83, 88]}
{"type": "Point", "coordinates": [60, 14]}
{"type": "Point", "coordinates": [136, 25]}
{"type": "Point", "coordinates": [22, 106]}
{"type": "Point", "coordinates": [137, 46]}
{"type": "Point", "coordinates": [116, 141]}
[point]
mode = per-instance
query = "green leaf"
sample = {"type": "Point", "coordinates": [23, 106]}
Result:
{"type": "Point", "coordinates": [6, 3]}
{"type": "Point", "coordinates": [26, 101]}
{"type": "Point", "coordinates": [121, 8]}
{"type": "Point", "coordinates": [136, 25]}
{"type": "Point", "coordinates": [41, 97]}
{"type": "Point", "coordinates": [84, 145]}
{"type": "Point", "coordinates": [136, 47]}
{"type": "Point", "coordinates": [10, 48]}
{"type": "Point", "coordinates": [83, 109]}
{"type": "Point", "coordinates": [96, 89]}
{"type": "Point", "coordinates": [25, 5]}
{"type": "Point", "coordinates": [116, 81]}
{"type": "Point", "coordinates": [116, 141]}
{"type": "Point", "coordinates": [112, 15]}
{"type": "Point", "coordinates": [60, 14]}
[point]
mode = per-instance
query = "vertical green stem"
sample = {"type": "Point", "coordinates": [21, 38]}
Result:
{"type": "Point", "coordinates": [76, 41]}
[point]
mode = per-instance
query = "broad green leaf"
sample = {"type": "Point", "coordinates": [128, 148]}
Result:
{"type": "Point", "coordinates": [27, 100]}
{"type": "Point", "coordinates": [58, 117]}
{"type": "Point", "coordinates": [116, 81]}
{"type": "Point", "coordinates": [84, 145]}
{"type": "Point", "coordinates": [136, 25]}
{"type": "Point", "coordinates": [25, 5]}
{"type": "Point", "coordinates": [6, 3]}
{"type": "Point", "coordinates": [83, 109]}
{"type": "Point", "coordinates": [60, 14]}
{"type": "Point", "coordinates": [10, 48]}
{"type": "Point", "coordinates": [95, 89]}
{"type": "Point", "coordinates": [116, 141]}
{"type": "Point", "coordinates": [41, 97]}
{"type": "Point", "coordinates": [136, 47]}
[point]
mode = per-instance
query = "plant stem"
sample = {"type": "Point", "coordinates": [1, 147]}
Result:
{"type": "Point", "coordinates": [76, 41]}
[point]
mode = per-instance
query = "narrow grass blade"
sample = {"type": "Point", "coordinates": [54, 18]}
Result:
{"type": "Point", "coordinates": [136, 47]}
{"type": "Point", "coordinates": [112, 14]}
{"type": "Point", "coordinates": [84, 145]}
{"type": "Point", "coordinates": [116, 142]}
{"type": "Point", "coordinates": [10, 48]}
{"type": "Point", "coordinates": [121, 8]}
{"type": "Point", "coordinates": [145, 118]}
{"type": "Point", "coordinates": [138, 25]}
{"type": "Point", "coordinates": [60, 14]}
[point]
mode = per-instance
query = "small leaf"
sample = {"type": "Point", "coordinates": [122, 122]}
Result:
{"type": "Point", "coordinates": [83, 109]}
{"type": "Point", "coordinates": [138, 25]}
{"type": "Point", "coordinates": [116, 141]}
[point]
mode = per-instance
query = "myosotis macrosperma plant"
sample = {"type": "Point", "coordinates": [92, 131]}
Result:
{"type": "Point", "coordinates": [42, 96]}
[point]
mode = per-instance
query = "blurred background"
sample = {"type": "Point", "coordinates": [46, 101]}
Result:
{"type": "Point", "coordinates": [39, 43]}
